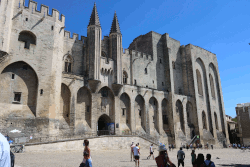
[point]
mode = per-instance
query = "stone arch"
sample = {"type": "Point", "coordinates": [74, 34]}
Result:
{"type": "Point", "coordinates": [219, 99]}
{"type": "Point", "coordinates": [192, 119]}
{"type": "Point", "coordinates": [28, 38]}
{"type": "Point", "coordinates": [204, 120]}
{"type": "Point", "coordinates": [125, 111]}
{"type": "Point", "coordinates": [19, 85]}
{"type": "Point", "coordinates": [140, 113]}
{"type": "Point", "coordinates": [68, 64]}
{"type": "Point", "coordinates": [107, 102]}
{"type": "Point", "coordinates": [179, 111]}
{"type": "Point", "coordinates": [125, 77]}
{"type": "Point", "coordinates": [199, 82]}
{"type": "Point", "coordinates": [212, 85]}
{"type": "Point", "coordinates": [65, 103]}
{"type": "Point", "coordinates": [167, 117]}
{"type": "Point", "coordinates": [216, 121]}
{"type": "Point", "coordinates": [102, 126]}
{"type": "Point", "coordinates": [84, 105]}
{"type": "Point", "coordinates": [206, 101]}
{"type": "Point", "coordinates": [153, 111]}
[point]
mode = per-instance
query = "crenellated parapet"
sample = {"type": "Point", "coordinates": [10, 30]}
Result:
{"type": "Point", "coordinates": [68, 36]}
{"type": "Point", "coordinates": [138, 55]}
{"type": "Point", "coordinates": [43, 13]}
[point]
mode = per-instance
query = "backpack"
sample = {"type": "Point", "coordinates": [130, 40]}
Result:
{"type": "Point", "coordinates": [208, 164]}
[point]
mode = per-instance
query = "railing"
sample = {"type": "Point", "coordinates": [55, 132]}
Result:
{"type": "Point", "coordinates": [193, 139]}
{"type": "Point", "coordinates": [105, 132]}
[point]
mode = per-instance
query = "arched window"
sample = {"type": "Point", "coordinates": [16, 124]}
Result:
{"type": "Point", "coordinates": [204, 120]}
{"type": "Point", "coordinates": [28, 38]}
{"type": "Point", "coordinates": [216, 121]}
{"type": "Point", "coordinates": [125, 77]}
{"type": "Point", "coordinates": [68, 64]}
{"type": "Point", "coordinates": [199, 82]}
{"type": "Point", "coordinates": [212, 85]}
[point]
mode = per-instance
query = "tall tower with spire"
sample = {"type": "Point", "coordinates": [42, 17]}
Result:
{"type": "Point", "coordinates": [94, 45]}
{"type": "Point", "coordinates": [115, 46]}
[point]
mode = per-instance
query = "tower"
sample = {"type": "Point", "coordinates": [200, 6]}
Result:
{"type": "Point", "coordinates": [94, 45]}
{"type": "Point", "coordinates": [115, 39]}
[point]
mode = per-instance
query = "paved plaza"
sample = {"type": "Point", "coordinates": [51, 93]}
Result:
{"type": "Point", "coordinates": [115, 158]}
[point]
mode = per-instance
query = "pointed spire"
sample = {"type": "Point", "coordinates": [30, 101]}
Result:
{"type": "Point", "coordinates": [94, 18]}
{"type": "Point", "coordinates": [115, 28]}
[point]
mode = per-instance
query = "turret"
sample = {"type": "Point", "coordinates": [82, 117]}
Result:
{"type": "Point", "coordinates": [115, 39]}
{"type": "Point", "coordinates": [94, 45]}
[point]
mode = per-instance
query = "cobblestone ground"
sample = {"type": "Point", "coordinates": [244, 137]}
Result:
{"type": "Point", "coordinates": [121, 158]}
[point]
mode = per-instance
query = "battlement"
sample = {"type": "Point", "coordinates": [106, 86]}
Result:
{"type": "Point", "coordinates": [136, 54]}
{"type": "Point", "coordinates": [44, 12]}
{"type": "Point", "coordinates": [73, 37]}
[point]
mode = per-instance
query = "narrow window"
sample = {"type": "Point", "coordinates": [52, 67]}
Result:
{"type": "Point", "coordinates": [67, 115]}
{"type": "Point", "coordinates": [135, 81]}
{"type": "Point", "coordinates": [162, 83]}
{"type": "Point", "coordinates": [13, 76]}
{"type": "Point", "coordinates": [17, 97]}
{"type": "Point", "coordinates": [52, 28]}
{"type": "Point", "coordinates": [88, 108]}
{"type": "Point", "coordinates": [27, 19]}
{"type": "Point", "coordinates": [68, 64]}
{"type": "Point", "coordinates": [153, 81]}
{"type": "Point", "coordinates": [26, 45]}
{"type": "Point", "coordinates": [146, 70]}
{"type": "Point", "coordinates": [160, 60]}
{"type": "Point", "coordinates": [146, 86]}
{"type": "Point", "coordinates": [165, 119]}
{"type": "Point", "coordinates": [41, 91]}
{"type": "Point", "coordinates": [123, 111]}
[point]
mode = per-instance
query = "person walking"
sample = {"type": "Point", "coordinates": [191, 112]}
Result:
{"type": "Point", "coordinates": [132, 151]}
{"type": "Point", "coordinates": [4, 152]}
{"type": "Point", "coordinates": [151, 150]}
{"type": "Point", "coordinates": [136, 155]}
{"type": "Point", "coordinates": [163, 159]}
{"type": "Point", "coordinates": [208, 161]}
{"type": "Point", "coordinates": [180, 157]}
{"type": "Point", "coordinates": [193, 157]}
{"type": "Point", "coordinates": [86, 149]}
{"type": "Point", "coordinates": [212, 146]}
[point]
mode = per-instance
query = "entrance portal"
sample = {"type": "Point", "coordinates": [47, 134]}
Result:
{"type": "Point", "coordinates": [105, 127]}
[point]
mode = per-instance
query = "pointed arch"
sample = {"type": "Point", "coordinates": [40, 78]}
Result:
{"type": "Point", "coordinates": [84, 105]}
{"type": "Point", "coordinates": [179, 111]}
{"type": "Point", "coordinates": [204, 120]}
{"type": "Point", "coordinates": [125, 77]}
{"type": "Point", "coordinates": [153, 111]}
{"type": "Point", "coordinates": [212, 85]}
{"type": "Point", "coordinates": [125, 110]}
{"type": "Point", "coordinates": [19, 85]}
{"type": "Point", "coordinates": [199, 82]}
{"type": "Point", "coordinates": [65, 103]}
{"type": "Point", "coordinates": [140, 113]}
{"type": "Point", "coordinates": [68, 63]}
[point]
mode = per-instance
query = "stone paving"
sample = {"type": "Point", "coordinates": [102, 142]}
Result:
{"type": "Point", "coordinates": [121, 158]}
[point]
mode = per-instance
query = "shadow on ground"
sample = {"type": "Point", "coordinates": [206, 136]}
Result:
{"type": "Point", "coordinates": [235, 165]}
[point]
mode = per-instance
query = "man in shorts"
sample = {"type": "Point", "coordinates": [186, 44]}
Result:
{"type": "Point", "coordinates": [151, 152]}
{"type": "Point", "coordinates": [136, 154]}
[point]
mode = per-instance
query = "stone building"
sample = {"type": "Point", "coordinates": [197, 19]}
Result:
{"type": "Point", "coordinates": [243, 120]}
{"type": "Point", "coordinates": [54, 84]}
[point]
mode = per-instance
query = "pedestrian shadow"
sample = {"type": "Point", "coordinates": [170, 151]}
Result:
{"type": "Point", "coordinates": [236, 165]}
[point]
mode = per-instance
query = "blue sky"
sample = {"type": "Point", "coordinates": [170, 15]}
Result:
{"type": "Point", "coordinates": [221, 27]}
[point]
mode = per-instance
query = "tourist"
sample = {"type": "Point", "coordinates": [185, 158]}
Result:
{"type": "Point", "coordinates": [151, 152]}
{"type": "Point", "coordinates": [208, 161]}
{"type": "Point", "coordinates": [169, 147]}
{"type": "Point", "coordinates": [88, 162]}
{"type": "Point", "coordinates": [86, 149]}
{"type": "Point", "coordinates": [212, 146]}
{"type": "Point", "coordinates": [132, 151]}
{"type": "Point", "coordinates": [180, 157]}
{"type": "Point", "coordinates": [199, 161]}
{"type": "Point", "coordinates": [163, 160]}
{"type": "Point", "coordinates": [191, 146]}
{"type": "Point", "coordinates": [207, 145]}
{"type": "Point", "coordinates": [193, 157]}
{"type": "Point", "coordinates": [194, 146]}
{"type": "Point", "coordinates": [136, 154]}
{"type": "Point", "coordinates": [198, 146]}
{"type": "Point", "coordinates": [5, 152]}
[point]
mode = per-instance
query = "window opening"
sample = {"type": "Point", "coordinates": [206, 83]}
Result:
{"type": "Point", "coordinates": [27, 19]}
{"type": "Point", "coordinates": [13, 76]}
{"type": "Point", "coordinates": [146, 86]}
{"type": "Point", "coordinates": [165, 119]}
{"type": "Point", "coordinates": [52, 27]}
{"type": "Point", "coordinates": [123, 111]}
{"type": "Point", "coordinates": [68, 64]}
{"type": "Point", "coordinates": [17, 97]}
{"type": "Point", "coordinates": [146, 70]}
{"type": "Point", "coordinates": [67, 115]}
{"type": "Point", "coordinates": [135, 81]}
{"type": "Point", "coordinates": [153, 81]}
{"type": "Point", "coordinates": [28, 38]}
{"type": "Point", "coordinates": [162, 83]}
{"type": "Point", "coordinates": [160, 60]}
{"type": "Point", "coordinates": [125, 76]}
{"type": "Point", "coordinates": [41, 91]}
